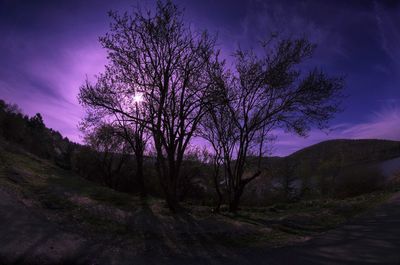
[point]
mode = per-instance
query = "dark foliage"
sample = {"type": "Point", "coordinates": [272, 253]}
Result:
{"type": "Point", "coordinates": [263, 93]}
{"type": "Point", "coordinates": [32, 134]}
{"type": "Point", "coordinates": [165, 60]}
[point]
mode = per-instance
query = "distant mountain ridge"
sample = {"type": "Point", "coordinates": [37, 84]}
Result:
{"type": "Point", "coordinates": [343, 152]}
{"type": "Point", "coordinates": [347, 152]}
{"type": "Point", "coordinates": [340, 167]}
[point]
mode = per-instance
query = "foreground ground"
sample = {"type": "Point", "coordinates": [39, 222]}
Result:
{"type": "Point", "coordinates": [50, 216]}
{"type": "Point", "coordinates": [373, 238]}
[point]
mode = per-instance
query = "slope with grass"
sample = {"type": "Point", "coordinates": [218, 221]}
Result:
{"type": "Point", "coordinates": [49, 215]}
{"type": "Point", "coordinates": [334, 168]}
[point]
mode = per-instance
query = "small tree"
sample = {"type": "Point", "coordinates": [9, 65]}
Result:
{"type": "Point", "coordinates": [262, 94]}
{"type": "Point", "coordinates": [286, 178]}
{"type": "Point", "coordinates": [110, 151]}
{"type": "Point", "coordinates": [112, 104]}
{"type": "Point", "coordinates": [216, 161]}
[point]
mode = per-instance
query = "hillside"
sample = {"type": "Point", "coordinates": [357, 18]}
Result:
{"type": "Point", "coordinates": [58, 217]}
{"type": "Point", "coordinates": [34, 135]}
{"type": "Point", "coordinates": [49, 215]}
{"type": "Point", "coordinates": [119, 171]}
{"type": "Point", "coordinates": [346, 152]}
{"type": "Point", "coordinates": [330, 168]}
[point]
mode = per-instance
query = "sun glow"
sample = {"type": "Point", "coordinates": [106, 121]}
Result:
{"type": "Point", "coordinates": [138, 98]}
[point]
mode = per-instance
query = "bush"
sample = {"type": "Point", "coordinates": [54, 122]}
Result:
{"type": "Point", "coordinates": [358, 180]}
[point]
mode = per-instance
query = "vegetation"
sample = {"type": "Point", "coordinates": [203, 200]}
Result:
{"type": "Point", "coordinates": [81, 200]}
{"type": "Point", "coordinates": [338, 169]}
{"type": "Point", "coordinates": [334, 168]}
{"type": "Point", "coordinates": [33, 135]}
{"type": "Point", "coordinates": [261, 94]}
{"type": "Point", "coordinates": [164, 81]}
{"type": "Point", "coordinates": [139, 186]}
{"type": "Point", "coordinates": [100, 212]}
{"type": "Point", "coordinates": [157, 57]}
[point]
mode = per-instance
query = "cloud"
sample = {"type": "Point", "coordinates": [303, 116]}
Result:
{"type": "Point", "coordinates": [295, 19]}
{"type": "Point", "coordinates": [384, 124]}
{"type": "Point", "coordinates": [388, 21]}
{"type": "Point", "coordinates": [47, 49]}
{"type": "Point", "coordinates": [50, 86]}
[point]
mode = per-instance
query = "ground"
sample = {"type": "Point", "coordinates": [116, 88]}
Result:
{"type": "Point", "coordinates": [372, 238]}
{"type": "Point", "coordinates": [51, 216]}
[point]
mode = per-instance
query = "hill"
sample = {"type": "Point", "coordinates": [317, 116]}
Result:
{"type": "Point", "coordinates": [50, 215]}
{"type": "Point", "coordinates": [32, 134]}
{"type": "Point", "coordinates": [315, 167]}
{"type": "Point", "coordinates": [343, 152]}
{"type": "Point", "coordinates": [346, 152]}
{"type": "Point", "coordinates": [331, 168]}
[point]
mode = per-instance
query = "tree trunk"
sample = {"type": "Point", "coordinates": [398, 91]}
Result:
{"type": "Point", "coordinates": [219, 194]}
{"type": "Point", "coordinates": [168, 182]}
{"type": "Point", "coordinates": [234, 204]}
{"type": "Point", "coordinates": [219, 202]}
{"type": "Point", "coordinates": [172, 200]}
{"type": "Point", "coordinates": [168, 172]}
{"type": "Point", "coordinates": [140, 176]}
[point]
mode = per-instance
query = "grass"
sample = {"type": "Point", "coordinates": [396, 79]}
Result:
{"type": "Point", "coordinates": [49, 187]}
{"type": "Point", "coordinates": [292, 222]}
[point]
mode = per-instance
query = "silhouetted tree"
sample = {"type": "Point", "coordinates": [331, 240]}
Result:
{"type": "Point", "coordinates": [36, 122]}
{"type": "Point", "coordinates": [192, 175]}
{"type": "Point", "coordinates": [286, 178]}
{"type": "Point", "coordinates": [14, 123]}
{"type": "Point", "coordinates": [135, 135]}
{"type": "Point", "coordinates": [125, 114]}
{"type": "Point", "coordinates": [216, 161]}
{"type": "Point", "coordinates": [33, 135]}
{"type": "Point", "coordinates": [160, 58]}
{"type": "Point", "coordinates": [112, 152]}
{"type": "Point", "coordinates": [261, 94]}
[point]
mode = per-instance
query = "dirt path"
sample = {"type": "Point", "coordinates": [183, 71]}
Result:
{"type": "Point", "coordinates": [26, 237]}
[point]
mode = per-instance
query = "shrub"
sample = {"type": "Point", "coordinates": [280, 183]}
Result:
{"type": "Point", "coordinates": [358, 180]}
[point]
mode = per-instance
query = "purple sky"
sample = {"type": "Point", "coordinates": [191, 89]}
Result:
{"type": "Point", "coordinates": [48, 47]}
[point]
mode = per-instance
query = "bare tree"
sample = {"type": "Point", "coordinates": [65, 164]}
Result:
{"type": "Point", "coordinates": [165, 61]}
{"type": "Point", "coordinates": [216, 161]}
{"type": "Point", "coordinates": [111, 152]}
{"type": "Point", "coordinates": [262, 94]}
{"type": "Point", "coordinates": [124, 115]}
{"type": "Point", "coordinates": [286, 177]}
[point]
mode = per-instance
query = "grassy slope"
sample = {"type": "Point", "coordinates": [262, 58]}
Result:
{"type": "Point", "coordinates": [94, 211]}
{"type": "Point", "coordinates": [340, 158]}
{"type": "Point", "coordinates": [50, 189]}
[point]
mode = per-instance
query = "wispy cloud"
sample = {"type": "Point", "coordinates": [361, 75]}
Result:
{"type": "Point", "coordinates": [48, 48]}
{"type": "Point", "coordinates": [63, 77]}
{"type": "Point", "coordinates": [296, 19]}
{"type": "Point", "coordinates": [389, 30]}
{"type": "Point", "coordinates": [384, 124]}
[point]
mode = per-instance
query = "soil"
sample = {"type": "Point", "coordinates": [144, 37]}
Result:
{"type": "Point", "coordinates": [29, 236]}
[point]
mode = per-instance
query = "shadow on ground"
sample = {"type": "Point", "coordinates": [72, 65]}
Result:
{"type": "Point", "coordinates": [27, 237]}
